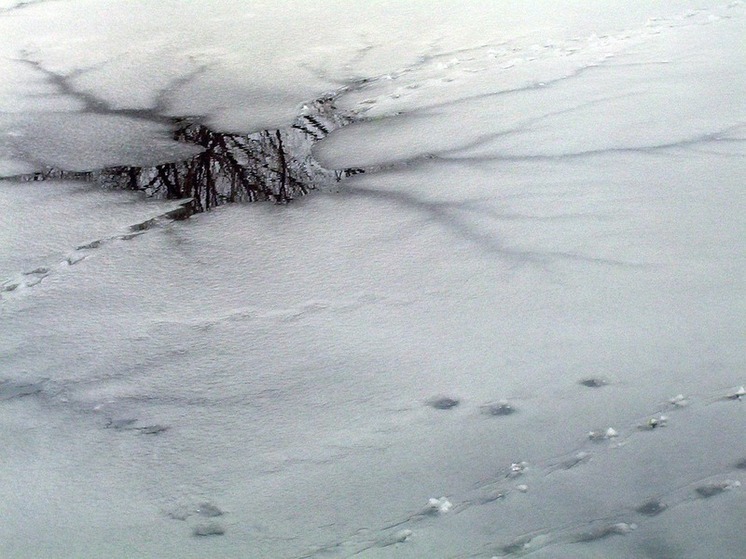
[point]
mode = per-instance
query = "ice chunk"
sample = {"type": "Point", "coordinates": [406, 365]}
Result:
{"type": "Point", "coordinates": [517, 469]}
{"type": "Point", "coordinates": [609, 433]}
{"type": "Point", "coordinates": [439, 506]}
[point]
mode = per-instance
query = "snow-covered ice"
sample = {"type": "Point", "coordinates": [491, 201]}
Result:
{"type": "Point", "coordinates": [548, 241]}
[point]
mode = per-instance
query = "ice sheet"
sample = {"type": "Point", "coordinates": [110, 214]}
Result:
{"type": "Point", "coordinates": [245, 67]}
{"type": "Point", "coordinates": [619, 96]}
{"type": "Point", "coordinates": [85, 142]}
{"type": "Point", "coordinates": [326, 374]}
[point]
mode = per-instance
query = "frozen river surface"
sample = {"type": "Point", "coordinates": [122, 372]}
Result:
{"type": "Point", "coordinates": [520, 332]}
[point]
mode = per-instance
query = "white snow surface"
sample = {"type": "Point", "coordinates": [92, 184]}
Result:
{"type": "Point", "coordinates": [244, 66]}
{"type": "Point", "coordinates": [551, 196]}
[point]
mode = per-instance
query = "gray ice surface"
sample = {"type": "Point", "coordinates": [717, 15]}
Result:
{"type": "Point", "coordinates": [551, 201]}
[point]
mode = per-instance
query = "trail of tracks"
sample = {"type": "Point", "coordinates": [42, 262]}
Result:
{"type": "Point", "coordinates": [21, 282]}
{"type": "Point", "coordinates": [513, 480]}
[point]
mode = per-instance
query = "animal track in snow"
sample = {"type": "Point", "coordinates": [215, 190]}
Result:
{"type": "Point", "coordinates": [32, 278]}
{"type": "Point", "coordinates": [510, 482]}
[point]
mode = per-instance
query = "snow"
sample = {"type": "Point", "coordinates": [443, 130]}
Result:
{"type": "Point", "coordinates": [43, 223]}
{"type": "Point", "coordinates": [551, 221]}
{"type": "Point", "coordinates": [164, 59]}
{"type": "Point", "coordinates": [83, 142]}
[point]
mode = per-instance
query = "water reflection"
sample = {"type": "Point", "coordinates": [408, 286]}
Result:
{"type": "Point", "coordinates": [271, 165]}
